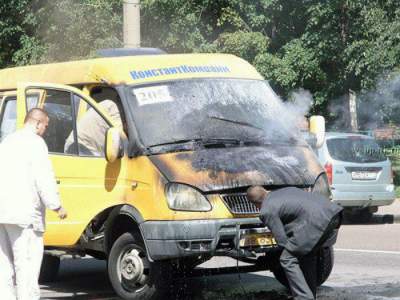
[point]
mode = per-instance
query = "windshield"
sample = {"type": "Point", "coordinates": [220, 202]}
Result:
{"type": "Point", "coordinates": [209, 109]}
{"type": "Point", "coordinates": [355, 149]}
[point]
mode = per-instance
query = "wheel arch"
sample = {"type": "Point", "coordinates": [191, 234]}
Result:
{"type": "Point", "coordinates": [123, 218]}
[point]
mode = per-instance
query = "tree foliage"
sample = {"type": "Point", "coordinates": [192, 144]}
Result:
{"type": "Point", "coordinates": [326, 47]}
{"type": "Point", "coordinates": [17, 23]}
{"type": "Point", "coordinates": [42, 31]}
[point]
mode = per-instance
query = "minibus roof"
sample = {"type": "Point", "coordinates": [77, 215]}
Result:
{"type": "Point", "coordinates": [131, 70]}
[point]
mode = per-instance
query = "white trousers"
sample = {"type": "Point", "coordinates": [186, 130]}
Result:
{"type": "Point", "coordinates": [21, 253]}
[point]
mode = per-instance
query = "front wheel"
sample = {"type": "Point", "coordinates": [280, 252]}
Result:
{"type": "Point", "coordinates": [325, 262]}
{"type": "Point", "coordinates": [131, 274]}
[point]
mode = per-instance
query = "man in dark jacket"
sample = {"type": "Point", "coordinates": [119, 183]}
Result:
{"type": "Point", "coordinates": [301, 223]}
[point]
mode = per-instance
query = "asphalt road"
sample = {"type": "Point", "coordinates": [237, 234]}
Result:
{"type": "Point", "coordinates": [367, 266]}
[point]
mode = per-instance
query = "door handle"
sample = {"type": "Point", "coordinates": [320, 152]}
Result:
{"type": "Point", "coordinates": [58, 181]}
{"type": "Point", "coordinates": [134, 185]}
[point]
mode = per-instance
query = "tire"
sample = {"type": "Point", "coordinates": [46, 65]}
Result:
{"type": "Point", "coordinates": [49, 268]}
{"type": "Point", "coordinates": [324, 268]}
{"type": "Point", "coordinates": [130, 272]}
{"type": "Point", "coordinates": [358, 215]}
{"type": "Point", "coordinates": [365, 215]}
{"type": "Point", "coordinates": [326, 261]}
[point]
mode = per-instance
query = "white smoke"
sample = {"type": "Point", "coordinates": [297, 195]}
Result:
{"type": "Point", "coordinates": [378, 107]}
{"type": "Point", "coordinates": [339, 110]}
{"type": "Point", "coordinates": [293, 112]}
{"type": "Point", "coordinates": [299, 106]}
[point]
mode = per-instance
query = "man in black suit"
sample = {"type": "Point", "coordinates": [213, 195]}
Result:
{"type": "Point", "coordinates": [301, 222]}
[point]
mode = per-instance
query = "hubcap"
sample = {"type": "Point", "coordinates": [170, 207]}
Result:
{"type": "Point", "coordinates": [131, 267]}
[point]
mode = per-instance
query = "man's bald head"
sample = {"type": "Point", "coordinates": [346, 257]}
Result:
{"type": "Point", "coordinates": [38, 118]}
{"type": "Point", "coordinates": [35, 114]}
{"type": "Point", "coordinates": [256, 195]}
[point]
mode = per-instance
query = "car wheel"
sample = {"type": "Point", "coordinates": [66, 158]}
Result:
{"type": "Point", "coordinates": [325, 263]}
{"type": "Point", "coordinates": [49, 268]}
{"type": "Point", "coordinates": [358, 215]}
{"type": "Point", "coordinates": [130, 272]}
{"type": "Point", "coordinates": [365, 215]}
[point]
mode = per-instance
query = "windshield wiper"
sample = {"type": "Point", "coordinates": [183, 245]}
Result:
{"type": "Point", "coordinates": [176, 142]}
{"type": "Point", "coordinates": [220, 141]}
{"type": "Point", "coordinates": [235, 122]}
{"type": "Point", "coordinates": [202, 141]}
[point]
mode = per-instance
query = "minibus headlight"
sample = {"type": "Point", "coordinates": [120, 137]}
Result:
{"type": "Point", "coordinates": [183, 197]}
{"type": "Point", "coordinates": [321, 186]}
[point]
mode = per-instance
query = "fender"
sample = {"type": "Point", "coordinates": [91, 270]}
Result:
{"type": "Point", "coordinates": [126, 210]}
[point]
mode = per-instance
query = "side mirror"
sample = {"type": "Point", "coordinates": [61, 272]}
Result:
{"type": "Point", "coordinates": [113, 147]}
{"type": "Point", "coordinates": [317, 127]}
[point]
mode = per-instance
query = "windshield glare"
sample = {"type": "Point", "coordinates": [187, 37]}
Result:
{"type": "Point", "coordinates": [245, 110]}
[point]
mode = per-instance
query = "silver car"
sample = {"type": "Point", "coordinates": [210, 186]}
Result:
{"type": "Point", "coordinates": [359, 174]}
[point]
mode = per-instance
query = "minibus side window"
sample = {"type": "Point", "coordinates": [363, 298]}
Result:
{"type": "Point", "coordinates": [8, 117]}
{"type": "Point", "coordinates": [32, 101]}
{"type": "Point", "coordinates": [91, 128]}
{"type": "Point", "coordinates": [101, 93]}
{"type": "Point", "coordinates": [58, 105]}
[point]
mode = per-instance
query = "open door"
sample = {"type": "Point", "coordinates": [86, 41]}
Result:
{"type": "Point", "coordinates": [76, 138]}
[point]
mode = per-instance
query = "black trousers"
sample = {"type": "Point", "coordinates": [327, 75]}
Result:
{"type": "Point", "coordinates": [301, 271]}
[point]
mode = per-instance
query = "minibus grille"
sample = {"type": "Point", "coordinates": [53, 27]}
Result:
{"type": "Point", "coordinates": [238, 204]}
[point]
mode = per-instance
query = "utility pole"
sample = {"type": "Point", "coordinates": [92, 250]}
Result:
{"type": "Point", "coordinates": [353, 111]}
{"type": "Point", "coordinates": [131, 23]}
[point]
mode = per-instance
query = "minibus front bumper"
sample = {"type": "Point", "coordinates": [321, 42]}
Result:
{"type": "Point", "coordinates": [174, 239]}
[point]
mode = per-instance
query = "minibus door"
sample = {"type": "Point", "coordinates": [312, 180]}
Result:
{"type": "Point", "coordinates": [88, 184]}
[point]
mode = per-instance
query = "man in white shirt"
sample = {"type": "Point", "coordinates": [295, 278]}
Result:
{"type": "Point", "coordinates": [27, 188]}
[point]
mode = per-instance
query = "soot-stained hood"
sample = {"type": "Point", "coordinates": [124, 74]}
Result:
{"type": "Point", "coordinates": [226, 168]}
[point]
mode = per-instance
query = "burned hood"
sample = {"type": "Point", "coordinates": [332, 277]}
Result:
{"type": "Point", "coordinates": [226, 168]}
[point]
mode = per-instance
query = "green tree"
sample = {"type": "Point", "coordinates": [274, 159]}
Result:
{"type": "Point", "coordinates": [17, 23]}
{"type": "Point", "coordinates": [42, 31]}
{"type": "Point", "coordinates": [70, 29]}
{"type": "Point", "coordinates": [326, 47]}
{"type": "Point", "coordinates": [356, 42]}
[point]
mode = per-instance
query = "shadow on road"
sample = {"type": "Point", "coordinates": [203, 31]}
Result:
{"type": "Point", "coordinates": [87, 279]}
{"type": "Point", "coordinates": [372, 220]}
{"type": "Point", "coordinates": [79, 279]}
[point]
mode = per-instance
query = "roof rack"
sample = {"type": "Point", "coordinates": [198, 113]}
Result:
{"type": "Point", "coordinates": [118, 52]}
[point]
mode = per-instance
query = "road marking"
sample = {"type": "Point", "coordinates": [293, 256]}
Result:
{"type": "Point", "coordinates": [368, 251]}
